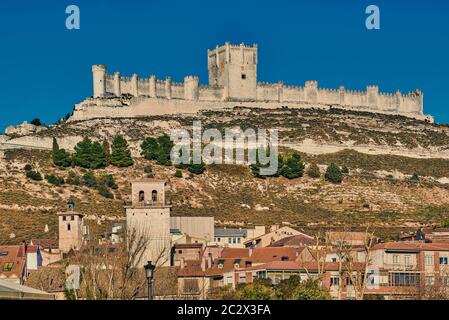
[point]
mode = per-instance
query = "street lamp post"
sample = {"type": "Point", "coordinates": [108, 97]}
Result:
{"type": "Point", "coordinates": [149, 268]}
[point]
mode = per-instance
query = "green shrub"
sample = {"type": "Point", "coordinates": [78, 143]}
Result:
{"type": "Point", "coordinates": [73, 179]}
{"type": "Point", "coordinates": [108, 181]}
{"type": "Point", "coordinates": [333, 174]}
{"type": "Point", "coordinates": [414, 178]}
{"type": "Point", "coordinates": [34, 175]}
{"type": "Point", "coordinates": [55, 180]}
{"type": "Point", "coordinates": [314, 171]}
{"type": "Point", "coordinates": [292, 167]}
{"type": "Point", "coordinates": [103, 190]}
{"type": "Point", "coordinates": [178, 174]}
{"type": "Point", "coordinates": [197, 168]}
{"type": "Point", "coordinates": [89, 179]}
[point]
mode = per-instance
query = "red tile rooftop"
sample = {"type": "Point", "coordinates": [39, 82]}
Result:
{"type": "Point", "coordinates": [412, 245]}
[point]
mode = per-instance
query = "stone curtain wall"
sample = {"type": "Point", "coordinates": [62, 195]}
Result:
{"type": "Point", "coordinates": [310, 93]}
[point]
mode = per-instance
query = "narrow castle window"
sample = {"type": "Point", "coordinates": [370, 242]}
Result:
{"type": "Point", "coordinates": [154, 196]}
{"type": "Point", "coordinates": [68, 227]}
{"type": "Point", "coordinates": [243, 76]}
{"type": "Point", "coordinates": [141, 196]}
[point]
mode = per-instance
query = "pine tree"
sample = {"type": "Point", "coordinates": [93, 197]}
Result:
{"type": "Point", "coordinates": [107, 152]}
{"type": "Point", "coordinates": [121, 155]}
{"type": "Point", "coordinates": [150, 148]}
{"type": "Point", "coordinates": [60, 157]}
{"type": "Point", "coordinates": [98, 158]}
{"type": "Point", "coordinates": [83, 153]}
{"type": "Point", "coordinates": [293, 167]}
{"type": "Point", "coordinates": [333, 173]}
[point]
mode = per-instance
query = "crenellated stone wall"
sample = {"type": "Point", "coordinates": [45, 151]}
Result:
{"type": "Point", "coordinates": [233, 77]}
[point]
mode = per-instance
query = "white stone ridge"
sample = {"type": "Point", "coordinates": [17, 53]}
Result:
{"type": "Point", "coordinates": [232, 71]}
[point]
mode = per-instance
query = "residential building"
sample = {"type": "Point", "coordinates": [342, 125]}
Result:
{"type": "Point", "coordinates": [404, 268]}
{"type": "Point", "coordinates": [49, 250]}
{"type": "Point", "coordinates": [230, 237]}
{"type": "Point", "coordinates": [13, 263]}
{"type": "Point", "coordinates": [276, 233]}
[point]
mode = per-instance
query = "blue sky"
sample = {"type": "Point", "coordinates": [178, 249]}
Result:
{"type": "Point", "coordinates": [45, 69]}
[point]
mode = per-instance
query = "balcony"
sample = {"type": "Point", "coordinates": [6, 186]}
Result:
{"type": "Point", "coordinates": [148, 204]}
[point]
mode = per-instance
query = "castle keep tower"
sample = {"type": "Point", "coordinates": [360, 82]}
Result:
{"type": "Point", "coordinates": [235, 69]}
{"type": "Point", "coordinates": [148, 221]}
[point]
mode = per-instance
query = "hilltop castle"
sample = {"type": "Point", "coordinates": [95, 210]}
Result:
{"type": "Point", "coordinates": [233, 82]}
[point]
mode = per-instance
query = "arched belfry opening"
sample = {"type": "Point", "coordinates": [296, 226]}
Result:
{"type": "Point", "coordinates": [141, 196]}
{"type": "Point", "coordinates": [154, 196]}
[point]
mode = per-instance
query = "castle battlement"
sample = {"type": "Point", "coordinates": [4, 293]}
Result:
{"type": "Point", "coordinates": [232, 73]}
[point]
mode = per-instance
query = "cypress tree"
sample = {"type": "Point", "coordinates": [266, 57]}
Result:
{"type": "Point", "coordinates": [107, 152]}
{"type": "Point", "coordinates": [121, 155]}
{"type": "Point", "coordinates": [60, 157]}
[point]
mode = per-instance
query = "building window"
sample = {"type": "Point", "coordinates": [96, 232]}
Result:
{"type": "Point", "coordinates": [429, 260]}
{"type": "Point", "coordinates": [430, 280]}
{"type": "Point", "coordinates": [335, 281]}
{"type": "Point", "coordinates": [229, 240]}
{"type": "Point", "coordinates": [141, 196]}
{"type": "Point", "coordinates": [444, 281]}
{"type": "Point", "coordinates": [443, 260]}
{"type": "Point", "coordinates": [243, 76]}
{"type": "Point", "coordinates": [154, 195]}
{"type": "Point", "coordinates": [395, 259]}
{"type": "Point", "coordinates": [69, 227]}
{"type": "Point", "coordinates": [407, 261]}
{"type": "Point", "coordinates": [238, 240]}
{"type": "Point", "coordinates": [218, 239]}
{"type": "Point", "coordinates": [180, 251]}
{"type": "Point", "coordinates": [7, 267]}
{"type": "Point", "coordinates": [64, 218]}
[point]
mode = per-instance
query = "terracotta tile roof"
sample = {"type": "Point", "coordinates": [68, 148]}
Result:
{"type": "Point", "coordinates": [347, 236]}
{"type": "Point", "coordinates": [229, 253]}
{"type": "Point", "coordinates": [298, 240]}
{"type": "Point", "coordinates": [192, 268]}
{"type": "Point", "coordinates": [412, 246]}
{"type": "Point", "coordinates": [188, 245]}
{"type": "Point", "coordinates": [31, 249]}
{"type": "Point", "coordinates": [12, 261]}
{"type": "Point", "coordinates": [269, 254]}
{"type": "Point", "coordinates": [222, 266]}
{"type": "Point", "coordinates": [304, 266]}
{"type": "Point", "coordinates": [45, 243]}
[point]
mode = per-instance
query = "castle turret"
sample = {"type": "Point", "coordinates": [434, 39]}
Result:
{"type": "Point", "coordinates": [152, 86]}
{"type": "Point", "coordinates": [99, 79]}
{"type": "Point", "coordinates": [372, 96]}
{"type": "Point", "coordinates": [168, 88]}
{"type": "Point", "coordinates": [191, 88]}
{"type": "Point", "coordinates": [117, 88]}
{"type": "Point", "coordinates": [134, 85]}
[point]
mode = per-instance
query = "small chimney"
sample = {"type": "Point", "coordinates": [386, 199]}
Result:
{"type": "Point", "coordinates": [203, 263]}
{"type": "Point", "coordinates": [182, 263]}
{"type": "Point", "coordinates": [209, 260]}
